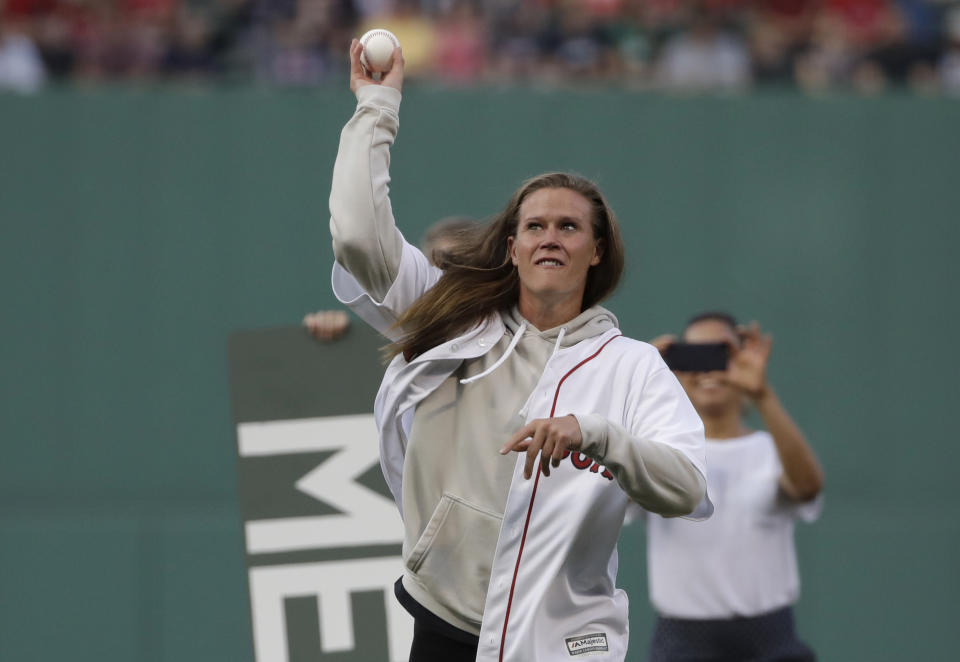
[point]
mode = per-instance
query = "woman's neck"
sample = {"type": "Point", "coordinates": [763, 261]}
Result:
{"type": "Point", "coordinates": [724, 426]}
{"type": "Point", "coordinates": [548, 315]}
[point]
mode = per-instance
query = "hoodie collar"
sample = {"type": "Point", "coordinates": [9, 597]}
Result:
{"type": "Point", "coordinates": [591, 322]}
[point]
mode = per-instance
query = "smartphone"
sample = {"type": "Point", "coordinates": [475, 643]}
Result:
{"type": "Point", "coordinates": [697, 357]}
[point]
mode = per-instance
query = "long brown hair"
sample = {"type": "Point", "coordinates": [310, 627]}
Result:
{"type": "Point", "coordinates": [479, 278]}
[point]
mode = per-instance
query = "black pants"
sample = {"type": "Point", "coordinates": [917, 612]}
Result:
{"type": "Point", "coordinates": [432, 646]}
{"type": "Point", "coordinates": [769, 637]}
{"type": "Point", "coordinates": [435, 640]}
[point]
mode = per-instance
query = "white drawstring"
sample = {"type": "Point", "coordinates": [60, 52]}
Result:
{"type": "Point", "coordinates": [510, 347]}
{"type": "Point", "coordinates": [499, 362]}
{"type": "Point", "coordinates": [556, 348]}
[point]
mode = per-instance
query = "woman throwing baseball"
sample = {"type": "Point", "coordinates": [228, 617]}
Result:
{"type": "Point", "coordinates": [516, 423]}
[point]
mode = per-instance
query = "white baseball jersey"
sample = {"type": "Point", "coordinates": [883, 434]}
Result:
{"type": "Point", "coordinates": [552, 593]}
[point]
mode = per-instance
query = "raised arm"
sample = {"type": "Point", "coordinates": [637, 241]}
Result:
{"type": "Point", "coordinates": [802, 477]}
{"type": "Point", "coordinates": [366, 240]}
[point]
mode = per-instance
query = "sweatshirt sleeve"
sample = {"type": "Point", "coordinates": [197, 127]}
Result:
{"type": "Point", "coordinates": [366, 241]}
{"type": "Point", "coordinates": [659, 461]}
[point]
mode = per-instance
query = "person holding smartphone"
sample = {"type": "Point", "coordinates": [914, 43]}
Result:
{"type": "Point", "coordinates": [723, 589]}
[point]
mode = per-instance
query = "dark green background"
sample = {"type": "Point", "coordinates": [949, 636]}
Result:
{"type": "Point", "coordinates": [140, 228]}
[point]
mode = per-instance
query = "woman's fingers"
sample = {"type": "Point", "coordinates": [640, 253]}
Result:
{"type": "Point", "coordinates": [754, 340]}
{"type": "Point", "coordinates": [546, 454]}
{"type": "Point", "coordinates": [548, 438]}
{"type": "Point", "coordinates": [356, 69]}
{"type": "Point", "coordinates": [327, 324]}
{"type": "Point", "coordinates": [358, 75]}
{"type": "Point", "coordinates": [517, 438]}
{"type": "Point", "coordinates": [394, 77]}
{"type": "Point", "coordinates": [662, 343]}
{"type": "Point", "coordinates": [539, 438]}
{"type": "Point", "coordinates": [557, 456]}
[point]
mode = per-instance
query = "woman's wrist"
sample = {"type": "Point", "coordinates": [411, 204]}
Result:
{"type": "Point", "coordinates": [763, 395]}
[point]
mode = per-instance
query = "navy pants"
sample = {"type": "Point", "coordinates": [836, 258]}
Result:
{"type": "Point", "coordinates": [769, 637]}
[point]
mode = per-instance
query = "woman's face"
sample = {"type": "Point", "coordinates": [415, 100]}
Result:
{"type": "Point", "coordinates": [710, 394]}
{"type": "Point", "coordinates": [554, 247]}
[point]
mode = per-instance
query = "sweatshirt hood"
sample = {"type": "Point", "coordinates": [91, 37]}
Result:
{"type": "Point", "coordinates": [588, 324]}
{"type": "Point", "coordinates": [591, 322]}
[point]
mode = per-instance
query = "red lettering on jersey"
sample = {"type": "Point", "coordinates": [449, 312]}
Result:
{"type": "Point", "coordinates": [581, 461]}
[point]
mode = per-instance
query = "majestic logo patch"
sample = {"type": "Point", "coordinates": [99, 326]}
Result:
{"type": "Point", "coordinates": [587, 643]}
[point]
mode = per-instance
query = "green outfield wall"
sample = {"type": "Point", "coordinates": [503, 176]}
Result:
{"type": "Point", "coordinates": [141, 228]}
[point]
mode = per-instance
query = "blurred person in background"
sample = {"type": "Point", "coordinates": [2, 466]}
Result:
{"type": "Point", "coordinates": [897, 58]}
{"type": "Point", "coordinates": [828, 59]}
{"type": "Point", "coordinates": [517, 52]}
{"type": "Point", "coordinates": [294, 51]}
{"type": "Point", "coordinates": [724, 589]}
{"type": "Point", "coordinates": [868, 46]}
{"type": "Point", "coordinates": [948, 68]}
{"type": "Point", "coordinates": [864, 21]}
{"type": "Point", "coordinates": [779, 33]}
{"type": "Point", "coordinates": [633, 41]}
{"type": "Point", "coordinates": [772, 53]}
{"type": "Point", "coordinates": [705, 57]}
{"type": "Point", "coordinates": [442, 238]}
{"type": "Point", "coordinates": [439, 241]}
{"type": "Point", "coordinates": [460, 51]}
{"type": "Point", "coordinates": [296, 42]}
{"type": "Point", "coordinates": [508, 384]}
{"type": "Point", "coordinates": [189, 53]}
{"type": "Point", "coordinates": [414, 29]}
{"type": "Point", "coordinates": [121, 39]}
{"type": "Point", "coordinates": [54, 29]}
{"type": "Point", "coordinates": [21, 66]}
{"type": "Point", "coordinates": [582, 49]}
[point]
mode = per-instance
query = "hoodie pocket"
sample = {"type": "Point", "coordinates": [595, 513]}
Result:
{"type": "Point", "coordinates": [453, 557]}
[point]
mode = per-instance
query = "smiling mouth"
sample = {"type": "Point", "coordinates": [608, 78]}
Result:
{"type": "Point", "coordinates": [709, 384]}
{"type": "Point", "coordinates": [548, 262]}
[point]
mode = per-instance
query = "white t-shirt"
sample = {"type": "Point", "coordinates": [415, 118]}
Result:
{"type": "Point", "coordinates": [742, 561]}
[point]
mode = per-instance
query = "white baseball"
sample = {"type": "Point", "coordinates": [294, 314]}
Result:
{"type": "Point", "coordinates": [377, 53]}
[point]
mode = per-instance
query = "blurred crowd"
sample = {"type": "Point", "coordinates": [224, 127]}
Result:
{"type": "Point", "coordinates": [865, 46]}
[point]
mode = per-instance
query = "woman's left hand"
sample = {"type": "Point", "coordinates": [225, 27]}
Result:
{"type": "Point", "coordinates": [747, 366]}
{"type": "Point", "coordinates": [548, 437]}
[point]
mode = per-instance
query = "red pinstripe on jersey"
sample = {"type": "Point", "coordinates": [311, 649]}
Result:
{"type": "Point", "coordinates": [536, 482]}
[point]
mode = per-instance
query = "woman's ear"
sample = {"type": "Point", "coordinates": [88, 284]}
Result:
{"type": "Point", "coordinates": [597, 252]}
{"type": "Point", "coordinates": [513, 253]}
